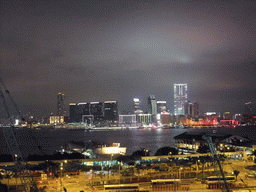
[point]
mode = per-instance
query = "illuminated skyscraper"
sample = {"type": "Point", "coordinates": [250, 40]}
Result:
{"type": "Point", "coordinates": [180, 98]}
{"type": "Point", "coordinates": [73, 113]}
{"type": "Point", "coordinates": [110, 111]}
{"type": "Point", "coordinates": [60, 104]}
{"type": "Point", "coordinates": [152, 109]}
{"type": "Point", "coordinates": [136, 105]}
{"type": "Point", "coordinates": [161, 106]}
{"type": "Point", "coordinates": [84, 108]}
{"type": "Point", "coordinates": [192, 109]}
{"type": "Point", "coordinates": [96, 109]}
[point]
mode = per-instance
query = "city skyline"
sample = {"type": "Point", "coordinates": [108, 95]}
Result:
{"type": "Point", "coordinates": [120, 50]}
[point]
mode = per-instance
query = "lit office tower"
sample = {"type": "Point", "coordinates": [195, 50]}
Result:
{"type": "Point", "coordinates": [136, 105]}
{"type": "Point", "coordinates": [152, 105]}
{"type": "Point", "coordinates": [110, 111]}
{"type": "Point", "coordinates": [196, 109]}
{"type": "Point", "coordinates": [96, 109]}
{"type": "Point", "coordinates": [161, 106]}
{"type": "Point", "coordinates": [152, 108]}
{"type": "Point", "coordinates": [73, 113]}
{"type": "Point", "coordinates": [84, 108]}
{"type": "Point", "coordinates": [180, 98]}
{"type": "Point", "coordinates": [60, 104]}
{"type": "Point", "coordinates": [84, 113]}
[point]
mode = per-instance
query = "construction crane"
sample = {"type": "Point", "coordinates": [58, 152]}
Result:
{"type": "Point", "coordinates": [28, 183]}
{"type": "Point", "coordinates": [214, 153]}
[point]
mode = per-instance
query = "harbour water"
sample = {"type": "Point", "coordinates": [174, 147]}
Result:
{"type": "Point", "coordinates": [133, 139]}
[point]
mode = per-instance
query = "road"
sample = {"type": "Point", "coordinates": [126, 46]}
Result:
{"type": "Point", "coordinates": [82, 182]}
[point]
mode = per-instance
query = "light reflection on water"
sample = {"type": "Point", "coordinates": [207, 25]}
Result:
{"type": "Point", "coordinates": [132, 139]}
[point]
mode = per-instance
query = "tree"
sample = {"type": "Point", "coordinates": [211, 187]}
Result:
{"type": "Point", "coordinates": [203, 148]}
{"type": "Point", "coordinates": [166, 151]}
{"type": "Point", "coordinates": [140, 153]}
{"type": "Point", "coordinates": [3, 188]}
{"type": "Point", "coordinates": [124, 158]}
{"type": "Point", "coordinates": [236, 172]}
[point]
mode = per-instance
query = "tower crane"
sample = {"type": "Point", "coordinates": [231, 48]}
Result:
{"type": "Point", "coordinates": [214, 153]}
{"type": "Point", "coordinates": [28, 183]}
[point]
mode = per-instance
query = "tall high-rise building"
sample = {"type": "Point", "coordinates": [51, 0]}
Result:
{"type": "Point", "coordinates": [152, 108]}
{"type": "Point", "coordinates": [73, 113]}
{"type": "Point", "coordinates": [196, 111]}
{"type": "Point", "coordinates": [96, 109]}
{"type": "Point", "coordinates": [192, 109]}
{"type": "Point", "coordinates": [84, 108]}
{"type": "Point", "coordinates": [110, 111]}
{"type": "Point", "coordinates": [61, 104]}
{"type": "Point", "coordinates": [136, 106]}
{"type": "Point", "coordinates": [189, 109]}
{"type": "Point", "coordinates": [180, 98]}
{"type": "Point", "coordinates": [161, 107]}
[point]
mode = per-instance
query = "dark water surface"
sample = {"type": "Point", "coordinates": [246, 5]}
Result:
{"type": "Point", "coordinates": [133, 139]}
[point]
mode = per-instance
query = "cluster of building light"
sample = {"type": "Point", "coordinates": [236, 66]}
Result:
{"type": "Point", "coordinates": [185, 112]}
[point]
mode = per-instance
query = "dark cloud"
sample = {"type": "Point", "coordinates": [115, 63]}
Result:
{"type": "Point", "coordinates": [117, 50]}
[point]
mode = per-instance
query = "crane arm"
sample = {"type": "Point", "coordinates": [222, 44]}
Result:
{"type": "Point", "coordinates": [8, 132]}
{"type": "Point", "coordinates": [11, 99]}
{"type": "Point", "coordinates": [214, 153]}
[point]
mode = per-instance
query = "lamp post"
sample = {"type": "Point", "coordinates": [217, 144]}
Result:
{"type": "Point", "coordinates": [61, 168]}
{"type": "Point", "coordinates": [91, 177]}
{"type": "Point", "coordinates": [119, 173]}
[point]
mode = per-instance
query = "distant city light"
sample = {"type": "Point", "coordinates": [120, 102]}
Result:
{"type": "Point", "coordinates": [94, 103]}
{"type": "Point", "coordinates": [17, 121]}
{"type": "Point", "coordinates": [136, 100]}
{"type": "Point", "coordinates": [110, 102]}
{"type": "Point", "coordinates": [210, 113]}
{"type": "Point", "coordinates": [84, 103]}
{"type": "Point", "coordinates": [161, 102]}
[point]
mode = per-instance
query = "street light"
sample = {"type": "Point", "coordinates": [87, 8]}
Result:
{"type": "Point", "coordinates": [91, 177]}
{"type": "Point", "coordinates": [61, 168]}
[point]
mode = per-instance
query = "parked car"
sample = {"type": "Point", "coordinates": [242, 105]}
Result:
{"type": "Point", "coordinates": [251, 174]}
{"type": "Point", "coordinates": [2, 172]}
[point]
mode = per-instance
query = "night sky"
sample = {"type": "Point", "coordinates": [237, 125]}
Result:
{"type": "Point", "coordinates": [118, 50]}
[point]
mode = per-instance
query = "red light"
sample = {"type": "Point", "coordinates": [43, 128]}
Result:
{"type": "Point", "coordinates": [41, 182]}
{"type": "Point", "coordinates": [50, 174]}
{"type": "Point", "coordinates": [89, 178]}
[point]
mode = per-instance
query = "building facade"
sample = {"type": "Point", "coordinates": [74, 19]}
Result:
{"type": "Point", "coordinates": [61, 104]}
{"type": "Point", "coordinates": [165, 118]}
{"type": "Point", "coordinates": [191, 109]}
{"type": "Point", "coordinates": [84, 108]}
{"type": "Point", "coordinates": [127, 120]}
{"type": "Point", "coordinates": [74, 115]}
{"type": "Point", "coordinates": [152, 107]}
{"type": "Point", "coordinates": [136, 106]}
{"type": "Point", "coordinates": [180, 98]}
{"type": "Point", "coordinates": [94, 112]}
{"type": "Point", "coordinates": [96, 109]}
{"type": "Point", "coordinates": [56, 120]}
{"type": "Point", "coordinates": [111, 111]}
{"type": "Point", "coordinates": [161, 107]}
{"type": "Point", "coordinates": [144, 118]}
